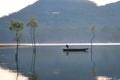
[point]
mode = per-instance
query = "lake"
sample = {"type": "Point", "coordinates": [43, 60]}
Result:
{"type": "Point", "coordinates": [54, 64]}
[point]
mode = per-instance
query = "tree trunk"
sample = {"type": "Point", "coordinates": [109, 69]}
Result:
{"type": "Point", "coordinates": [92, 61]}
{"type": "Point", "coordinates": [92, 44]}
{"type": "Point", "coordinates": [34, 49]}
{"type": "Point", "coordinates": [16, 55]}
{"type": "Point", "coordinates": [34, 53]}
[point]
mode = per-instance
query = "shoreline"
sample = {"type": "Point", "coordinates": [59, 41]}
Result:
{"type": "Point", "coordinates": [26, 45]}
{"type": "Point", "coordinates": [12, 46]}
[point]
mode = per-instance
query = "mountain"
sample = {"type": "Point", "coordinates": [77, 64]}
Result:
{"type": "Point", "coordinates": [67, 21]}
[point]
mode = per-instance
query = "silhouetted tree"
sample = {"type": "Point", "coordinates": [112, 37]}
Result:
{"type": "Point", "coordinates": [16, 27]}
{"type": "Point", "coordinates": [32, 23]}
{"type": "Point", "coordinates": [93, 35]}
{"type": "Point", "coordinates": [92, 61]}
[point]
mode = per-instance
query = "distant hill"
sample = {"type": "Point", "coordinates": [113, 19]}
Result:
{"type": "Point", "coordinates": [65, 21]}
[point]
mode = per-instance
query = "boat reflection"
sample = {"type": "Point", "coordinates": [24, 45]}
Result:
{"type": "Point", "coordinates": [68, 50]}
{"type": "Point", "coordinates": [6, 74]}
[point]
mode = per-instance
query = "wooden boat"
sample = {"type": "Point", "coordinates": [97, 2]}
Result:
{"type": "Point", "coordinates": [74, 49]}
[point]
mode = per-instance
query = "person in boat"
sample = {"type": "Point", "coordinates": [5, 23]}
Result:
{"type": "Point", "coordinates": [67, 53]}
{"type": "Point", "coordinates": [67, 46]}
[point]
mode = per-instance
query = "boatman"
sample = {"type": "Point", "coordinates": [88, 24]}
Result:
{"type": "Point", "coordinates": [67, 46]}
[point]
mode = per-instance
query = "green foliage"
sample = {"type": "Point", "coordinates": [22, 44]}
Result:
{"type": "Point", "coordinates": [16, 26]}
{"type": "Point", "coordinates": [94, 72]}
{"type": "Point", "coordinates": [34, 77]}
{"type": "Point", "coordinates": [32, 23]}
{"type": "Point", "coordinates": [93, 28]}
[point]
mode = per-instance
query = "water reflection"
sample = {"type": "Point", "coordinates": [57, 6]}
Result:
{"type": "Point", "coordinates": [91, 51]}
{"type": "Point", "coordinates": [105, 78]}
{"type": "Point", "coordinates": [96, 73]}
{"type": "Point", "coordinates": [52, 65]}
{"type": "Point", "coordinates": [93, 63]}
{"type": "Point", "coordinates": [69, 52]}
{"type": "Point", "coordinates": [6, 74]}
{"type": "Point", "coordinates": [33, 75]}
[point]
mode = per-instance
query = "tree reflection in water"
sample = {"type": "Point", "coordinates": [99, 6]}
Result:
{"type": "Point", "coordinates": [32, 23]}
{"type": "Point", "coordinates": [93, 65]}
{"type": "Point", "coordinates": [91, 51]}
{"type": "Point", "coordinates": [16, 27]}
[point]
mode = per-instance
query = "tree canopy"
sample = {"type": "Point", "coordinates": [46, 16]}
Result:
{"type": "Point", "coordinates": [32, 23]}
{"type": "Point", "coordinates": [16, 26]}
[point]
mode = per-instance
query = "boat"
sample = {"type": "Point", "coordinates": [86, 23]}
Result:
{"type": "Point", "coordinates": [74, 49]}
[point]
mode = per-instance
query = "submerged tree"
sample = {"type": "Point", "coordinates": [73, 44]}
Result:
{"type": "Point", "coordinates": [93, 35]}
{"type": "Point", "coordinates": [16, 27]}
{"type": "Point", "coordinates": [32, 23]}
{"type": "Point", "coordinates": [93, 28]}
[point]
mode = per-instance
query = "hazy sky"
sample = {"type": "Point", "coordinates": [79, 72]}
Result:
{"type": "Point", "coordinates": [103, 2]}
{"type": "Point", "coordinates": [9, 6]}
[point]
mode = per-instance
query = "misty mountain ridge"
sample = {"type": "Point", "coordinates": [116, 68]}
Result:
{"type": "Point", "coordinates": [67, 19]}
{"type": "Point", "coordinates": [70, 13]}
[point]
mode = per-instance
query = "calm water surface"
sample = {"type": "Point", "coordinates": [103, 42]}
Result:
{"type": "Point", "coordinates": [53, 64]}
